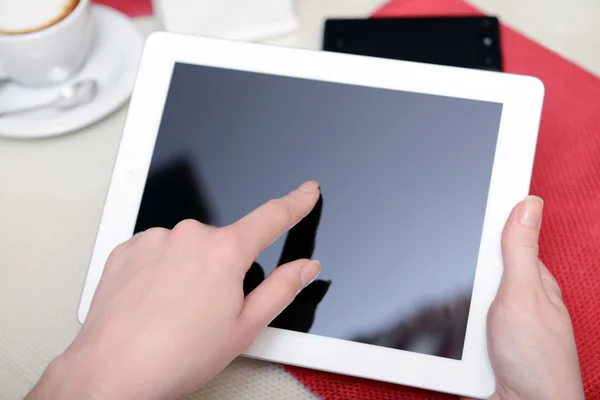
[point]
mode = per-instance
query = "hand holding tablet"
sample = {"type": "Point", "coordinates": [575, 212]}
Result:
{"type": "Point", "coordinates": [530, 337]}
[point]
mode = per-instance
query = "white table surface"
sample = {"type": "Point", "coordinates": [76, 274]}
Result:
{"type": "Point", "coordinates": [52, 192]}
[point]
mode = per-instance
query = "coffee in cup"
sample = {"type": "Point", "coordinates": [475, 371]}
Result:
{"type": "Point", "coordinates": [43, 41]}
{"type": "Point", "coordinates": [27, 16]}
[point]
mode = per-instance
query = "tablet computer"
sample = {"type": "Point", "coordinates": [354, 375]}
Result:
{"type": "Point", "coordinates": [419, 167]}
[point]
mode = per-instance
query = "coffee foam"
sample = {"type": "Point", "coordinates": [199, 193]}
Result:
{"type": "Point", "coordinates": [23, 16]}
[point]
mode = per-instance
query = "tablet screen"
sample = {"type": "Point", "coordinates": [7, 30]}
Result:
{"type": "Point", "coordinates": [404, 180]}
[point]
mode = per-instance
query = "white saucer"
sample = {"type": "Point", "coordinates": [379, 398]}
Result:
{"type": "Point", "coordinates": [113, 62]}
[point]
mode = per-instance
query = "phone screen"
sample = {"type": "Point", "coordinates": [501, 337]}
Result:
{"type": "Point", "coordinates": [468, 42]}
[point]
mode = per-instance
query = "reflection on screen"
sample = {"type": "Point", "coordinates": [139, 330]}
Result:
{"type": "Point", "coordinates": [404, 180]}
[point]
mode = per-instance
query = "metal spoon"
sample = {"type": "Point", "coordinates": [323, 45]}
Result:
{"type": "Point", "coordinates": [71, 96]}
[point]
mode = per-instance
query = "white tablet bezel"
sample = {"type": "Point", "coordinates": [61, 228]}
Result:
{"type": "Point", "coordinates": [522, 104]}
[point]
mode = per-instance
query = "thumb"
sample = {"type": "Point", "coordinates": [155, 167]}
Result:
{"type": "Point", "coordinates": [277, 291]}
{"type": "Point", "coordinates": [520, 247]}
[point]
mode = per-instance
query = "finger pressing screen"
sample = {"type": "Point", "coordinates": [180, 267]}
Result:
{"type": "Point", "coordinates": [263, 226]}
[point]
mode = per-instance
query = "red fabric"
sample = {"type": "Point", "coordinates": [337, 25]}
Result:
{"type": "Point", "coordinates": [133, 8]}
{"type": "Point", "coordinates": [566, 175]}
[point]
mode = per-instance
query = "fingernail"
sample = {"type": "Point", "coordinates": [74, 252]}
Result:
{"type": "Point", "coordinates": [309, 187]}
{"type": "Point", "coordinates": [530, 212]}
{"type": "Point", "coordinates": [309, 272]}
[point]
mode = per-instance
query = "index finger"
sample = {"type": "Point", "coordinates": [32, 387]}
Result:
{"type": "Point", "coordinates": [263, 226]}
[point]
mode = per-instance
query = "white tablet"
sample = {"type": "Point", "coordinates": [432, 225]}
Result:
{"type": "Point", "coordinates": [419, 167]}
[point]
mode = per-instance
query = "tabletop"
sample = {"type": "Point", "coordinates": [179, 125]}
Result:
{"type": "Point", "coordinates": [52, 192]}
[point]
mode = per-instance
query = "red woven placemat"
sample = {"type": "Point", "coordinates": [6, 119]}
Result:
{"type": "Point", "coordinates": [133, 8]}
{"type": "Point", "coordinates": [566, 175]}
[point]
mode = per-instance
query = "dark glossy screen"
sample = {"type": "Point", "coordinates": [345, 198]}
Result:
{"type": "Point", "coordinates": [404, 180]}
{"type": "Point", "coordinates": [468, 42]}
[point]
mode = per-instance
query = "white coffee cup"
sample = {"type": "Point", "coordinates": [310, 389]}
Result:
{"type": "Point", "coordinates": [48, 55]}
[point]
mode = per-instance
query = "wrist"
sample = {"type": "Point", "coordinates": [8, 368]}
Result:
{"type": "Point", "coordinates": [66, 379]}
{"type": "Point", "coordinates": [572, 393]}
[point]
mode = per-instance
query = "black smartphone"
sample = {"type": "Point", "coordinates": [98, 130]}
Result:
{"type": "Point", "coordinates": [468, 42]}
